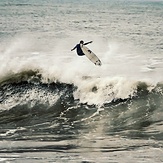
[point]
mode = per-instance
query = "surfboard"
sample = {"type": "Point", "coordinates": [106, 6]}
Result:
{"type": "Point", "coordinates": [90, 55]}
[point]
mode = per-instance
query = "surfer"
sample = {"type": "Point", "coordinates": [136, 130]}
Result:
{"type": "Point", "coordinates": [78, 48]}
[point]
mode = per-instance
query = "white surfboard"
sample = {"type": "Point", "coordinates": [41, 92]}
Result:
{"type": "Point", "coordinates": [90, 55]}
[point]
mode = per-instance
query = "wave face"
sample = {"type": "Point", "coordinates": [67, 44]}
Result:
{"type": "Point", "coordinates": [128, 105]}
{"type": "Point", "coordinates": [58, 107]}
{"type": "Point", "coordinates": [56, 117]}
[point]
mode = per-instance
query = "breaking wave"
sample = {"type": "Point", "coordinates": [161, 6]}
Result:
{"type": "Point", "coordinates": [90, 90]}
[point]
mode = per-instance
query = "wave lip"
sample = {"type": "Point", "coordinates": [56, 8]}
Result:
{"type": "Point", "coordinates": [11, 78]}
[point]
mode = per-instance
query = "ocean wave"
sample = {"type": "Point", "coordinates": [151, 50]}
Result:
{"type": "Point", "coordinates": [32, 104]}
{"type": "Point", "coordinates": [89, 90]}
{"type": "Point", "coordinates": [19, 77]}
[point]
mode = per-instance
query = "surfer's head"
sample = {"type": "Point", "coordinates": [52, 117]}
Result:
{"type": "Point", "coordinates": [81, 42]}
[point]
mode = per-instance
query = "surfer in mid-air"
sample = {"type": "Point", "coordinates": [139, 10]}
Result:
{"type": "Point", "coordinates": [78, 48]}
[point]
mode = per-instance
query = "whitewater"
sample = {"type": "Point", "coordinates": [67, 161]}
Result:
{"type": "Point", "coordinates": [56, 106]}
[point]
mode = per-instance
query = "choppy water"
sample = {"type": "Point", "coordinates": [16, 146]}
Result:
{"type": "Point", "coordinates": [58, 107]}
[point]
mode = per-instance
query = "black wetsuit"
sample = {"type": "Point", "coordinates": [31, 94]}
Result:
{"type": "Point", "coordinates": [79, 50]}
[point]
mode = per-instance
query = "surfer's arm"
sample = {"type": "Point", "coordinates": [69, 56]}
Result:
{"type": "Point", "coordinates": [88, 42]}
{"type": "Point", "coordinates": [73, 48]}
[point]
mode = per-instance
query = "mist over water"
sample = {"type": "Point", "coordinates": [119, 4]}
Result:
{"type": "Point", "coordinates": [58, 107]}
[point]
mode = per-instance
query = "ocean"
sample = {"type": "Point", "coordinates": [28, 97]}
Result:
{"type": "Point", "coordinates": [56, 106]}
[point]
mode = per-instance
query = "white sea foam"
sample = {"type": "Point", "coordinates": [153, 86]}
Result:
{"type": "Point", "coordinates": [59, 63]}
